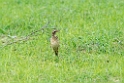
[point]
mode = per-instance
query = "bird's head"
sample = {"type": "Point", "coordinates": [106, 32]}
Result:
{"type": "Point", "coordinates": [54, 32]}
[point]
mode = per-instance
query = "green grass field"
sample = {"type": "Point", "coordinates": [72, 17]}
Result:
{"type": "Point", "coordinates": [91, 41]}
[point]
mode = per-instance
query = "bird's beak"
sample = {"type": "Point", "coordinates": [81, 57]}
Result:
{"type": "Point", "coordinates": [57, 30]}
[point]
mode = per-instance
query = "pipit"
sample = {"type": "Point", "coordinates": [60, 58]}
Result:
{"type": "Point", "coordinates": [54, 42]}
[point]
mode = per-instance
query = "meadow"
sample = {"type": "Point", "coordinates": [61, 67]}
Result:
{"type": "Point", "coordinates": [91, 41]}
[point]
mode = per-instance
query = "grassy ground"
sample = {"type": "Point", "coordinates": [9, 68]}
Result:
{"type": "Point", "coordinates": [91, 41]}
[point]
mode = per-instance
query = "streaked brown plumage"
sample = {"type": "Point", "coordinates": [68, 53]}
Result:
{"type": "Point", "coordinates": [54, 42]}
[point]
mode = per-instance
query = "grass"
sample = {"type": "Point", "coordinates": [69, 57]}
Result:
{"type": "Point", "coordinates": [91, 41]}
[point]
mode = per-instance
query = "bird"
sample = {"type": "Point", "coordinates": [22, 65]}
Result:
{"type": "Point", "coordinates": [54, 42]}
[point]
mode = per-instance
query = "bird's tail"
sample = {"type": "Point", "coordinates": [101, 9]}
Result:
{"type": "Point", "coordinates": [56, 51]}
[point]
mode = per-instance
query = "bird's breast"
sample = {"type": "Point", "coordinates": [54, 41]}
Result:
{"type": "Point", "coordinates": [54, 43]}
